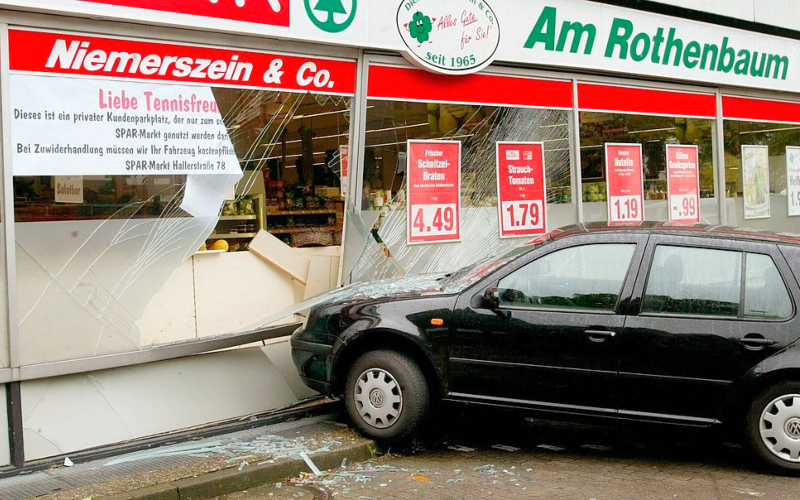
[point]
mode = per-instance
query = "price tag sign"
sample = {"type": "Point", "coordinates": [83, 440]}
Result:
{"type": "Point", "coordinates": [521, 189]}
{"type": "Point", "coordinates": [434, 191]}
{"type": "Point", "coordinates": [683, 183]}
{"type": "Point", "coordinates": [793, 179]}
{"type": "Point", "coordinates": [624, 183]}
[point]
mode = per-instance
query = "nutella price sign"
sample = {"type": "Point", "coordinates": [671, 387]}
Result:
{"type": "Point", "coordinates": [683, 184]}
{"type": "Point", "coordinates": [434, 191]}
{"type": "Point", "coordinates": [521, 189]}
{"type": "Point", "coordinates": [624, 183]}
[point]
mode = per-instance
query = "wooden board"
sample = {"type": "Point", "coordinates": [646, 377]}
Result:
{"type": "Point", "coordinates": [279, 254]}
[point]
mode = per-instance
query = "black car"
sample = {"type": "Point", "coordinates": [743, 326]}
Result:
{"type": "Point", "coordinates": [694, 326]}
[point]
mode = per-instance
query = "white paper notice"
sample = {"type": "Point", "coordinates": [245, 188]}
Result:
{"type": "Point", "coordinates": [68, 188]}
{"type": "Point", "coordinates": [77, 126]}
{"type": "Point", "coordinates": [793, 179]}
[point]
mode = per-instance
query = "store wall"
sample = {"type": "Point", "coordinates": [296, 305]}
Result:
{"type": "Point", "coordinates": [76, 412]}
{"type": "Point", "coordinates": [780, 13]}
{"type": "Point", "coordinates": [5, 452]}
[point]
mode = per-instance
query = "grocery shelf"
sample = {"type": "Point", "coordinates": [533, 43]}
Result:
{"type": "Point", "coordinates": [301, 212]}
{"type": "Point", "coordinates": [231, 236]}
{"type": "Point", "coordinates": [291, 230]}
{"type": "Point", "coordinates": [238, 217]}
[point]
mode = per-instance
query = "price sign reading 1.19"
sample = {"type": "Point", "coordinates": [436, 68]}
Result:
{"type": "Point", "coordinates": [521, 189]}
{"type": "Point", "coordinates": [624, 183]}
{"type": "Point", "coordinates": [434, 191]}
{"type": "Point", "coordinates": [683, 184]}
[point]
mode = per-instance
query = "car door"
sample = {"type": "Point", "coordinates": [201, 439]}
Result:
{"type": "Point", "coordinates": [550, 344]}
{"type": "Point", "coordinates": [706, 311]}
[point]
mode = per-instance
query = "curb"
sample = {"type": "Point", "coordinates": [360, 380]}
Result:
{"type": "Point", "coordinates": [232, 480]}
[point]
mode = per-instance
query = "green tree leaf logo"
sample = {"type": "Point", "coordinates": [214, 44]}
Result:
{"type": "Point", "coordinates": [420, 27]}
{"type": "Point", "coordinates": [330, 7]}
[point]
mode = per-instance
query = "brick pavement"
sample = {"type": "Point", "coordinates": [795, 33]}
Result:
{"type": "Point", "coordinates": [552, 462]}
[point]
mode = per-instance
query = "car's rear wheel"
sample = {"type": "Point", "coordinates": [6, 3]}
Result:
{"type": "Point", "coordinates": [773, 427]}
{"type": "Point", "coordinates": [386, 395]}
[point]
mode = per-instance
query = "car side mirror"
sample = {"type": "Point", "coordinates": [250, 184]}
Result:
{"type": "Point", "coordinates": [491, 299]}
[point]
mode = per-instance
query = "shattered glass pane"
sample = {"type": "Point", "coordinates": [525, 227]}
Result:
{"type": "Point", "coordinates": [383, 217]}
{"type": "Point", "coordinates": [118, 270]}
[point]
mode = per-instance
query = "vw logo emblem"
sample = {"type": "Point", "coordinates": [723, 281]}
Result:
{"type": "Point", "coordinates": [793, 428]}
{"type": "Point", "coordinates": [376, 398]}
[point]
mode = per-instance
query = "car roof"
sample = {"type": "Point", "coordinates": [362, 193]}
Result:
{"type": "Point", "coordinates": [692, 230]}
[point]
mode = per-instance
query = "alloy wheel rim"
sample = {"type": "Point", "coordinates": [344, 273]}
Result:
{"type": "Point", "coordinates": [378, 398]}
{"type": "Point", "coordinates": [779, 427]}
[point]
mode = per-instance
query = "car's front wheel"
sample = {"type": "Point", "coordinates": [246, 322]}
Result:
{"type": "Point", "coordinates": [386, 395]}
{"type": "Point", "coordinates": [773, 426]}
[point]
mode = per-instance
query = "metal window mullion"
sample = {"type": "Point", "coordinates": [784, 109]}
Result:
{"type": "Point", "coordinates": [577, 175]}
{"type": "Point", "coordinates": [719, 161]}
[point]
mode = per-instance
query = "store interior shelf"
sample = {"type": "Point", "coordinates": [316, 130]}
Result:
{"type": "Point", "coordinates": [232, 236]}
{"type": "Point", "coordinates": [290, 230]}
{"type": "Point", "coordinates": [300, 212]}
{"type": "Point", "coordinates": [238, 217]}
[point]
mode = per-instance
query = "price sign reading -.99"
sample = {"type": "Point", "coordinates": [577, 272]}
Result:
{"type": "Point", "coordinates": [434, 191]}
{"type": "Point", "coordinates": [624, 183]}
{"type": "Point", "coordinates": [683, 184]}
{"type": "Point", "coordinates": [521, 189]}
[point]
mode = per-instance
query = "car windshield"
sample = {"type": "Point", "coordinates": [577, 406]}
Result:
{"type": "Point", "coordinates": [467, 275]}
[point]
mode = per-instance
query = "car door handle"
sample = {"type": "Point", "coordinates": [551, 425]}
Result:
{"type": "Point", "coordinates": [600, 335]}
{"type": "Point", "coordinates": [756, 341]}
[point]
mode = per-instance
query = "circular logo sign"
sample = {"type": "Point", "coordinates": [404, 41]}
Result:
{"type": "Point", "coordinates": [453, 37]}
{"type": "Point", "coordinates": [331, 15]}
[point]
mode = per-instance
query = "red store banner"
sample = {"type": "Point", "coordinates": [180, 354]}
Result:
{"type": "Point", "coordinates": [683, 183]}
{"type": "Point", "coordinates": [56, 53]}
{"type": "Point", "coordinates": [434, 191]}
{"type": "Point", "coordinates": [271, 12]}
{"type": "Point", "coordinates": [521, 189]}
{"type": "Point", "coordinates": [624, 183]}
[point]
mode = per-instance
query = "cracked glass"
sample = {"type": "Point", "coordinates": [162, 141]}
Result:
{"type": "Point", "coordinates": [114, 263]}
{"type": "Point", "coordinates": [376, 246]}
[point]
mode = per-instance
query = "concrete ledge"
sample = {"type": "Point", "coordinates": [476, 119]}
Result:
{"type": "Point", "coordinates": [233, 480]}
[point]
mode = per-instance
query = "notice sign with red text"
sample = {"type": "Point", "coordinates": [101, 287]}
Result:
{"type": "Point", "coordinates": [521, 189]}
{"type": "Point", "coordinates": [683, 183]}
{"type": "Point", "coordinates": [624, 183]}
{"type": "Point", "coordinates": [434, 191]}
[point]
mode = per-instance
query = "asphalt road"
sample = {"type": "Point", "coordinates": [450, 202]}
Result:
{"type": "Point", "coordinates": [460, 459]}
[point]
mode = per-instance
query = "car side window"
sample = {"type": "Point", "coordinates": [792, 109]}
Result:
{"type": "Point", "coordinates": [694, 281]}
{"type": "Point", "coordinates": [582, 277]}
{"type": "Point", "coordinates": [765, 294]}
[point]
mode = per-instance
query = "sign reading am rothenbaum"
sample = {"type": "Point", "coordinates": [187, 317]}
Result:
{"type": "Point", "coordinates": [463, 36]}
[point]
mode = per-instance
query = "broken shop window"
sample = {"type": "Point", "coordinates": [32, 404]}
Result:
{"type": "Point", "coordinates": [134, 223]}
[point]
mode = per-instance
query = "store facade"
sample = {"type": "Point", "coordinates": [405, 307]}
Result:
{"type": "Point", "coordinates": [170, 195]}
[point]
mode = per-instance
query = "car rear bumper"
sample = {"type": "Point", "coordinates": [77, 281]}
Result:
{"type": "Point", "coordinates": [312, 360]}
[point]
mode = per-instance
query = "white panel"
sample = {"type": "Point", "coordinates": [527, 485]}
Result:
{"type": "Point", "coordinates": [5, 452]}
{"type": "Point", "coordinates": [739, 9]}
{"type": "Point", "coordinates": [76, 412]}
{"type": "Point", "coordinates": [237, 289]}
{"type": "Point", "coordinates": [170, 316]}
{"type": "Point", "coordinates": [4, 354]}
{"type": "Point", "coordinates": [782, 13]}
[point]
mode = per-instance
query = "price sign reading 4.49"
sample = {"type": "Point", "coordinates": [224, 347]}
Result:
{"type": "Point", "coordinates": [683, 184]}
{"type": "Point", "coordinates": [624, 183]}
{"type": "Point", "coordinates": [434, 191]}
{"type": "Point", "coordinates": [521, 189]}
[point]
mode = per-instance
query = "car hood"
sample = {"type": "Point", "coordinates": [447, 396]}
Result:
{"type": "Point", "coordinates": [413, 285]}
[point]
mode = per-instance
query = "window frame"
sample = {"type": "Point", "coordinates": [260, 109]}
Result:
{"type": "Point", "coordinates": [712, 243]}
{"type": "Point", "coordinates": [474, 296]}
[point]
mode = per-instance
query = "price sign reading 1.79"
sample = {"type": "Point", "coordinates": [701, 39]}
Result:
{"type": "Point", "coordinates": [521, 189]}
{"type": "Point", "coordinates": [624, 183]}
{"type": "Point", "coordinates": [434, 191]}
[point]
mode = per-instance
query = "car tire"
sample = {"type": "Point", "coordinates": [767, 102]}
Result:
{"type": "Point", "coordinates": [773, 427]}
{"type": "Point", "coordinates": [386, 395]}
